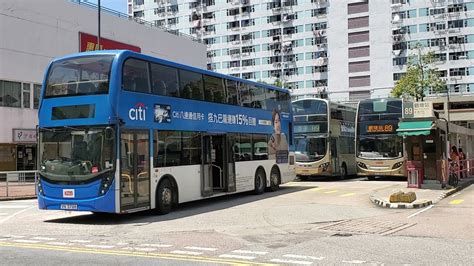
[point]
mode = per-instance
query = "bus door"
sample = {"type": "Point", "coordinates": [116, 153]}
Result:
{"type": "Point", "coordinates": [334, 156]}
{"type": "Point", "coordinates": [214, 173]}
{"type": "Point", "coordinates": [134, 170]}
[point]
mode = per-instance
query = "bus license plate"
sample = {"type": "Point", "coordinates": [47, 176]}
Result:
{"type": "Point", "coordinates": [68, 206]}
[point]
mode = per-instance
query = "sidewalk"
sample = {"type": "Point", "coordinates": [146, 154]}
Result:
{"type": "Point", "coordinates": [424, 197]}
{"type": "Point", "coordinates": [17, 191]}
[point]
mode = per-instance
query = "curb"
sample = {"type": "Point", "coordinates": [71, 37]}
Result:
{"type": "Point", "coordinates": [454, 190]}
{"type": "Point", "coordinates": [18, 198]}
{"type": "Point", "coordinates": [386, 204]}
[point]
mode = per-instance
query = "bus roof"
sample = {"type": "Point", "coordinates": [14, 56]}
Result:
{"type": "Point", "coordinates": [127, 53]}
{"type": "Point", "coordinates": [380, 100]}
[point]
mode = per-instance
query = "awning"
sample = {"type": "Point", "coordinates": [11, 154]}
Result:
{"type": "Point", "coordinates": [415, 128]}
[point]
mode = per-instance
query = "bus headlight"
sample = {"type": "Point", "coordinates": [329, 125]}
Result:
{"type": "Point", "coordinates": [324, 166]}
{"type": "Point", "coordinates": [106, 183]}
{"type": "Point", "coordinates": [362, 165]}
{"type": "Point", "coordinates": [397, 165]}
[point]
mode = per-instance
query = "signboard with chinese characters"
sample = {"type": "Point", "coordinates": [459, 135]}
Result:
{"type": "Point", "coordinates": [24, 135]}
{"type": "Point", "coordinates": [386, 128]}
{"type": "Point", "coordinates": [88, 42]}
{"type": "Point", "coordinates": [417, 109]}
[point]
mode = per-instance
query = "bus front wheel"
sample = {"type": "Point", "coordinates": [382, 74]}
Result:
{"type": "Point", "coordinates": [343, 172]}
{"type": "Point", "coordinates": [164, 202]}
{"type": "Point", "coordinates": [260, 182]}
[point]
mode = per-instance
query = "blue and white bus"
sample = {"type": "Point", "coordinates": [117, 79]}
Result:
{"type": "Point", "coordinates": [122, 132]}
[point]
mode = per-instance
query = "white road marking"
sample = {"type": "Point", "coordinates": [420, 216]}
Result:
{"type": "Point", "coordinates": [354, 261]}
{"type": "Point", "coordinates": [122, 244]}
{"type": "Point", "coordinates": [201, 248]}
{"type": "Point", "coordinates": [156, 245]}
{"type": "Point", "coordinates": [3, 239]}
{"type": "Point", "coordinates": [15, 206]}
{"type": "Point", "coordinates": [420, 211]}
{"type": "Point", "coordinates": [250, 252]}
{"type": "Point", "coordinates": [44, 238]}
{"type": "Point", "coordinates": [15, 214]}
{"type": "Point", "coordinates": [99, 246]}
{"type": "Point", "coordinates": [302, 257]}
{"type": "Point", "coordinates": [80, 241]}
{"type": "Point", "coordinates": [182, 252]}
{"type": "Point", "coordinates": [13, 236]}
{"type": "Point", "coordinates": [58, 243]}
{"type": "Point", "coordinates": [145, 249]}
{"type": "Point", "coordinates": [26, 241]}
{"type": "Point", "coordinates": [241, 257]}
{"type": "Point", "coordinates": [292, 261]}
{"type": "Point", "coordinates": [2, 213]}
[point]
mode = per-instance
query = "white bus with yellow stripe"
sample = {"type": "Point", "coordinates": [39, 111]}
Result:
{"type": "Point", "coordinates": [324, 138]}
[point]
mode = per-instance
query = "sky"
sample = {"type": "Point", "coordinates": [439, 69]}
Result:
{"type": "Point", "coordinates": [117, 5]}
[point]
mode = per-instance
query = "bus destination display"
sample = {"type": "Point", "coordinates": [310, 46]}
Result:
{"type": "Point", "coordinates": [387, 128]}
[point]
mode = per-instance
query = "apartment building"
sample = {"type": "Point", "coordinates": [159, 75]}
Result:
{"type": "Point", "coordinates": [445, 27]}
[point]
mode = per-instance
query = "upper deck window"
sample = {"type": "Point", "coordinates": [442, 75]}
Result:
{"type": "Point", "coordinates": [135, 76]}
{"type": "Point", "coordinates": [191, 85]}
{"type": "Point", "coordinates": [79, 76]}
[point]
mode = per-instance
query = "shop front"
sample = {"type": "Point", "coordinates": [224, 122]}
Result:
{"type": "Point", "coordinates": [23, 149]}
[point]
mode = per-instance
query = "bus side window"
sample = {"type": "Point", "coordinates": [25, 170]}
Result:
{"type": "Point", "coordinates": [164, 80]}
{"type": "Point", "coordinates": [232, 92]}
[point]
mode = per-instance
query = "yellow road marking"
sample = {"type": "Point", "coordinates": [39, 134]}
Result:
{"type": "Point", "coordinates": [348, 195]}
{"type": "Point", "coordinates": [131, 254]}
{"type": "Point", "coordinates": [331, 191]}
{"type": "Point", "coordinates": [455, 202]}
{"type": "Point", "coordinates": [316, 189]}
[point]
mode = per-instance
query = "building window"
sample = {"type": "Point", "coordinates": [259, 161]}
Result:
{"type": "Point", "coordinates": [356, 37]}
{"type": "Point", "coordinates": [26, 95]}
{"type": "Point", "coordinates": [359, 66]}
{"type": "Point", "coordinates": [361, 81]}
{"type": "Point", "coordinates": [10, 94]}
{"type": "Point", "coordinates": [36, 95]}
{"type": "Point", "coordinates": [357, 8]}
{"type": "Point", "coordinates": [353, 23]}
{"type": "Point", "coordinates": [355, 52]}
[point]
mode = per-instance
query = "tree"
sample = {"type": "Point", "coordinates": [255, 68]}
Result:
{"type": "Point", "coordinates": [420, 77]}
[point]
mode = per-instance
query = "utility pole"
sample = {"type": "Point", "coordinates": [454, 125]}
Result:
{"type": "Point", "coordinates": [98, 25]}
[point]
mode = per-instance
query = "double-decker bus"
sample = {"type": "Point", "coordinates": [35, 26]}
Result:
{"type": "Point", "coordinates": [324, 138]}
{"type": "Point", "coordinates": [379, 150]}
{"type": "Point", "coordinates": [122, 132]}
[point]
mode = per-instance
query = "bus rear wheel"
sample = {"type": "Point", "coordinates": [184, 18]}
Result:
{"type": "Point", "coordinates": [164, 197]}
{"type": "Point", "coordinates": [275, 179]}
{"type": "Point", "coordinates": [260, 182]}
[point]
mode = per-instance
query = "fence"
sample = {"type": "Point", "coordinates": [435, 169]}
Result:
{"type": "Point", "coordinates": [463, 169]}
{"type": "Point", "coordinates": [15, 184]}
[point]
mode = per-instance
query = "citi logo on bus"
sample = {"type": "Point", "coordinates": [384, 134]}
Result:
{"type": "Point", "coordinates": [137, 113]}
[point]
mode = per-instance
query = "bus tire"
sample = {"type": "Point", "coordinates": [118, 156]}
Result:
{"type": "Point", "coordinates": [260, 182]}
{"type": "Point", "coordinates": [164, 197]}
{"type": "Point", "coordinates": [275, 179]}
{"type": "Point", "coordinates": [343, 172]}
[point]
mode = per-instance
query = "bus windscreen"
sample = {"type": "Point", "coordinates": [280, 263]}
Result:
{"type": "Point", "coordinates": [79, 76]}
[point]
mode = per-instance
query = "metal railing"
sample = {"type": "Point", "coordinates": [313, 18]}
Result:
{"type": "Point", "coordinates": [18, 184]}
{"type": "Point", "coordinates": [137, 20]}
{"type": "Point", "coordinates": [462, 168]}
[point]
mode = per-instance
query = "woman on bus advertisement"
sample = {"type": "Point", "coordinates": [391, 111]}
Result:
{"type": "Point", "coordinates": [278, 145]}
